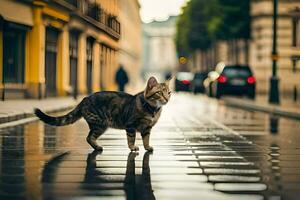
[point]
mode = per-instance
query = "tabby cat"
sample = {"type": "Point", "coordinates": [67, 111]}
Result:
{"type": "Point", "coordinates": [118, 110]}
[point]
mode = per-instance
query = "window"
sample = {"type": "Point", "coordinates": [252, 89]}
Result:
{"type": "Point", "coordinates": [295, 61]}
{"type": "Point", "coordinates": [73, 46]}
{"type": "Point", "coordinates": [50, 60]}
{"type": "Point", "coordinates": [296, 32]}
{"type": "Point", "coordinates": [89, 64]}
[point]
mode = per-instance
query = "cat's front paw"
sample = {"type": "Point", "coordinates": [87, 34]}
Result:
{"type": "Point", "coordinates": [134, 148]}
{"type": "Point", "coordinates": [149, 148]}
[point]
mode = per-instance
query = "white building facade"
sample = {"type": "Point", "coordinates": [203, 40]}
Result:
{"type": "Point", "coordinates": [159, 50]}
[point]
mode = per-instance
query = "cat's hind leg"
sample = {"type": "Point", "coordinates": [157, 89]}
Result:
{"type": "Point", "coordinates": [93, 135]}
{"type": "Point", "coordinates": [96, 125]}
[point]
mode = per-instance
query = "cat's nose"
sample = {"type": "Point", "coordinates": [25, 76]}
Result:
{"type": "Point", "coordinates": [164, 101]}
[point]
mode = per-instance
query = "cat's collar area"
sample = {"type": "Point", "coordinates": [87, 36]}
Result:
{"type": "Point", "coordinates": [148, 108]}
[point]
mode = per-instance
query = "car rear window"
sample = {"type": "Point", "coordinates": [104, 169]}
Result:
{"type": "Point", "coordinates": [237, 71]}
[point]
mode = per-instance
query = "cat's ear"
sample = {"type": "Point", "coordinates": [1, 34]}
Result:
{"type": "Point", "coordinates": [152, 82]}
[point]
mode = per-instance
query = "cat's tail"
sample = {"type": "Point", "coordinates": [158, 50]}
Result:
{"type": "Point", "coordinates": [66, 119]}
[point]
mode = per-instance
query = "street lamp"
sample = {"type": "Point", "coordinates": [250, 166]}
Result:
{"type": "Point", "coordinates": [274, 80]}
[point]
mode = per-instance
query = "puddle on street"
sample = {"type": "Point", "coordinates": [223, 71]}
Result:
{"type": "Point", "coordinates": [275, 149]}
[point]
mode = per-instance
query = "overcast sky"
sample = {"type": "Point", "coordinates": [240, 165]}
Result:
{"type": "Point", "coordinates": [159, 9]}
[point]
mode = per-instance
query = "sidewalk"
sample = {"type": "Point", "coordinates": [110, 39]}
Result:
{"type": "Point", "coordinates": [12, 110]}
{"type": "Point", "coordinates": [286, 108]}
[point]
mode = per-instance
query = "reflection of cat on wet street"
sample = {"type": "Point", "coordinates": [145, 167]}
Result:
{"type": "Point", "coordinates": [135, 186]}
{"type": "Point", "coordinates": [138, 186]}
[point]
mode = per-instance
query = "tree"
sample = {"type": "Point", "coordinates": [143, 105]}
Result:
{"type": "Point", "coordinates": [235, 19]}
{"type": "Point", "coordinates": [198, 33]}
{"type": "Point", "coordinates": [235, 25]}
{"type": "Point", "coordinates": [181, 38]}
{"type": "Point", "coordinates": [203, 22]}
{"type": "Point", "coordinates": [193, 31]}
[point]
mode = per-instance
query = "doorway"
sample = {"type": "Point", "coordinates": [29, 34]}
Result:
{"type": "Point", "coordinates": [73, 62]}
{"type": "Point", "coordinates": [50, 61]}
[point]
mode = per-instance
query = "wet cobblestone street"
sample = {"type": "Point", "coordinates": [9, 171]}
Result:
{"type": "Point", "coordinates": [202, 150]}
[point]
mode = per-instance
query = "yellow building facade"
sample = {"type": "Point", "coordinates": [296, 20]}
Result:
{"type": "Point", "coordinates": [58, 47]}
{"type": "Point", "coordinates": [130, 52]}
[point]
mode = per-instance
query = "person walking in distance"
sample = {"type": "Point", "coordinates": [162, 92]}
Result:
{"type": "Point", "coordinates": [121, 78]}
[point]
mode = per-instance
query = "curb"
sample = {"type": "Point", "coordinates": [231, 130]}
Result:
{"type": "Point", "coordinates": [252, 106]}
{"type": "Point", "coordinates": [25, 117]}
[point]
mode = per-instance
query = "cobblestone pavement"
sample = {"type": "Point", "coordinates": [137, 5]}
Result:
{"type": "Point", "coordinates": [203, 150]}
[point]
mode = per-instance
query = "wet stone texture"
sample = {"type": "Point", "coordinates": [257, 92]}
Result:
{"type": "Point", "coordinates": [203, 150]}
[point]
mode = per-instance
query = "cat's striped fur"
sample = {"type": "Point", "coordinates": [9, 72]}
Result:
{"type": "Point", "coordinates": [118, 110]}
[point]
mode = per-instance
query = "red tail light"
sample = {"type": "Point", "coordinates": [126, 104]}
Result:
{"type": "Point", "coordinates": [185, 82]}
{"type": "Point", "coordinates": [251, 80]}
{"type": "Point", "coordinates": [222, 79]}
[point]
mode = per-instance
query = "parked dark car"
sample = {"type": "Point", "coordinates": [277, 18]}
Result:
{"type": "Point", "coordinates": [197, 83]}
{"type": "Point", "coordinates": [183, 81]}
{"type": "Point", "coordinates": [230, 79]}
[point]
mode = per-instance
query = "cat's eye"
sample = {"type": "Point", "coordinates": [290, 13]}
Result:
{"type": "Point", "coordinates": [169, 92]}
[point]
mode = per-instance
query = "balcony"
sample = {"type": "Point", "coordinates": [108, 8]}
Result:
{"type": "Point", "coordinates": [93, 13]}
{"type": "Point", "coordinates": [114, 24]}
{"type": "Point", "coordinates": [73, 3]}
{"type": "Point", "coordinates": [92, 10]}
